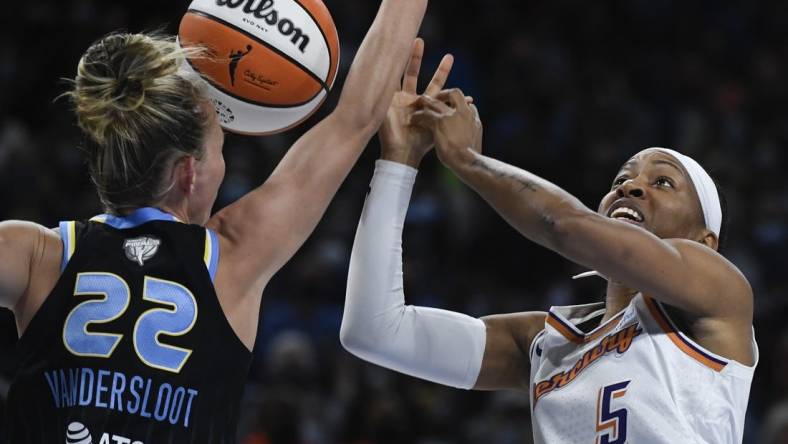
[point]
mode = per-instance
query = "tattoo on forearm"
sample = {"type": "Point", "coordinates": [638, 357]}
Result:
{"type": "Point", "coordinates": [523, 183]}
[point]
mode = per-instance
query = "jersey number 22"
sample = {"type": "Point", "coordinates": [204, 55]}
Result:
{"type": "Point", "coordinates": [177, 320]}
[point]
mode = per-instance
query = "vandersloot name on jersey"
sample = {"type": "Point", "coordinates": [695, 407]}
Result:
{"type": "Point", "coordinates": [135, 395]}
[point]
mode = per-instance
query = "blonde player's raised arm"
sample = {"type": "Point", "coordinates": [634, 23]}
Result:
{"type": "Point", "coordinates": [261, 232]}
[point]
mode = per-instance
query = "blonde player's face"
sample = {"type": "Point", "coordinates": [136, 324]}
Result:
{"type": "Point", "coordinates": [660, 195]}
{"type": "Point", "coordinates": [209, 171]}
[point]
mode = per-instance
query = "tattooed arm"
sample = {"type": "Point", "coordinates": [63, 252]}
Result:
{"type": "Point", "coordinates": [684, 272]}
{"type": "Point", "coordinates": [526, 201]}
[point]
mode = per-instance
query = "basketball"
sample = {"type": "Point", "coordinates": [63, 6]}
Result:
{"type": "Point", "coordinates": [270, 63]}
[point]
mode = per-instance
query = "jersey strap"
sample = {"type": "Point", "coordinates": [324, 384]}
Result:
{"type": "Point", "coordinates": [535, 347]}
{"type": "Point", "coordinates": [69, 238]}
{"type": "Point", "coordinates": [211, 255]}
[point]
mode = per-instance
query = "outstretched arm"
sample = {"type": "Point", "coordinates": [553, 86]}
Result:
{"type": "Point", "coordinates": [262, 231]}
{"type": "Point", "coordinates": [680, 272]}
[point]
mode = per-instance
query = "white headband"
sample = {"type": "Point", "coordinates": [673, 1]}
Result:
{"type": "Point", "coordinates": [704, 185]}
{"type": "Point", "coordinates": [707, 193]}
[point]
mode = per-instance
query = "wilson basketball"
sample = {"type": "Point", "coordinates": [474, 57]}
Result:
{"type": "Point", "coordinates": [270, 63]}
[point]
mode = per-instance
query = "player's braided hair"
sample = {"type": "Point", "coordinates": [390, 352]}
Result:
{"type": "Point", "coordinates": [139, 113]}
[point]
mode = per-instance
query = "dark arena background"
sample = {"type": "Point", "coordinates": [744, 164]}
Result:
{"type": "Point", "coordinates": [567, 89]}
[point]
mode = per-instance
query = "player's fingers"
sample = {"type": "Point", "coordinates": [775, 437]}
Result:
{"type": "Point", "coordinates": [411, 79]}
{"type": "Point", "coordinates": [425, 118]}
{"type": "Point", "coordinates": [454, 98]}
{"type": "Point", "coordinates": [427, 102]}
{"type": "Point", "coordinates": [441, 75]}
{"type": "Point", "coordinates": [475, 110]}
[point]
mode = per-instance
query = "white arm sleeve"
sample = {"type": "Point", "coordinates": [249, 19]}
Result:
{"type": "Point", "coordinates": [437, 345]}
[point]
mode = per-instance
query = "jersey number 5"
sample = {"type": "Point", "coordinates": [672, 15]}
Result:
{"type": "Point", "coordinates": [177, 320]}
{"type": "Point", "coordinates": [611, 425]}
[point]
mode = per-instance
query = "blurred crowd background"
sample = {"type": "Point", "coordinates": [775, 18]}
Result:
{"type": "Point", "coordinates": [567, 89]}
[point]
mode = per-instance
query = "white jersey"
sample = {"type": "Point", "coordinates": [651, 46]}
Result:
{"type": "Point", "coordinates": [634, 379]}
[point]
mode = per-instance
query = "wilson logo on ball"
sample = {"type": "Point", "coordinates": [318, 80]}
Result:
{"type": "Point", "coordinates": [264, 10]}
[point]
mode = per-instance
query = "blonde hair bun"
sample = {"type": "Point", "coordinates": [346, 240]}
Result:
{"type": "Point", "coordinates": [139, 111]}
{"type": "Point", "coordinates": [117, 75]}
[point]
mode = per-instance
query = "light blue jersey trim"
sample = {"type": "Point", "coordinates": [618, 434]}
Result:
{"type": "Point", "coordinates": [135, 219]}
{"type": "Point", "coordinates": [67, 244]}
{"type": "Point", "coordinates": [212, 256]}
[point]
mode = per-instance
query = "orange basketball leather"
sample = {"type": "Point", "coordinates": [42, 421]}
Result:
{"type": "Point", "coordinates": [259, 74]}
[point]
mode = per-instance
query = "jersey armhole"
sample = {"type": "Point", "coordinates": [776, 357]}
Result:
{"type": "Point", "coordinates": [682, 341]}
{"type": "Point", "coordinates": [211, 254]}
{"type": "Point", "coordinates": [535, 348]}
{"type": "Point", "coordinates": [69, 238]}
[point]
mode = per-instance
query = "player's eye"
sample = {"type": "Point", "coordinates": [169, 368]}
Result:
{"type": "Point", "coordinates": [664, 182]}
{"type": "Point", "coordinates": [619, 181]}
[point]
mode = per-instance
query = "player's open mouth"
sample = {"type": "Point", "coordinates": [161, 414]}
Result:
{"type": "Point", "coordinates": [627, 214]}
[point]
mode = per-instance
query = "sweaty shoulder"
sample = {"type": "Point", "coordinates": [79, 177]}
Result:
{"type": "Point", "coordinates": [30, 254]}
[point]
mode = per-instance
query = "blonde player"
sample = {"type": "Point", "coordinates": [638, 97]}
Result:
{"type": "Point", "coordinates": [668, 357]}
{"type": "Point", "coordinates": [137, 326]}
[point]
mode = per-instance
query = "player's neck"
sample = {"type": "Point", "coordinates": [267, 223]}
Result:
{"type": "Point", "coordinates": [176, 205]}
{"type": "Point", "coordinates": [180, 213]}
{"type": "Point", "coordinates": [617, 299]}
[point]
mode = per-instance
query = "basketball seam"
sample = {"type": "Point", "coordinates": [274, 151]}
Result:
{"type": "Point", "coordinates": [218, 86]}
{"type": "Point", "coordinates": [267, 45]}
{"type": "Point", "coordinates": [325, 39]}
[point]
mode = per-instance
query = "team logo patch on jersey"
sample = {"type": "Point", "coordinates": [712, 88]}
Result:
{"type": "Point", "coordinates": [141, 249]}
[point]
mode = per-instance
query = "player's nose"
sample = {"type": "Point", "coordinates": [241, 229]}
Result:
{"type": "Point", "coordinates": [631, 188]}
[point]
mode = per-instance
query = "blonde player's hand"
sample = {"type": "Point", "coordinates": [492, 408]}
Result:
{"type": "Point", "coordinates": [454, 122]}
{"type": "Point", "coordinates": [400, 141]}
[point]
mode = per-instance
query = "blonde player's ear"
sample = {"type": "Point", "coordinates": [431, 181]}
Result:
{"type": "Point", "coordinates": [186, 174]}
